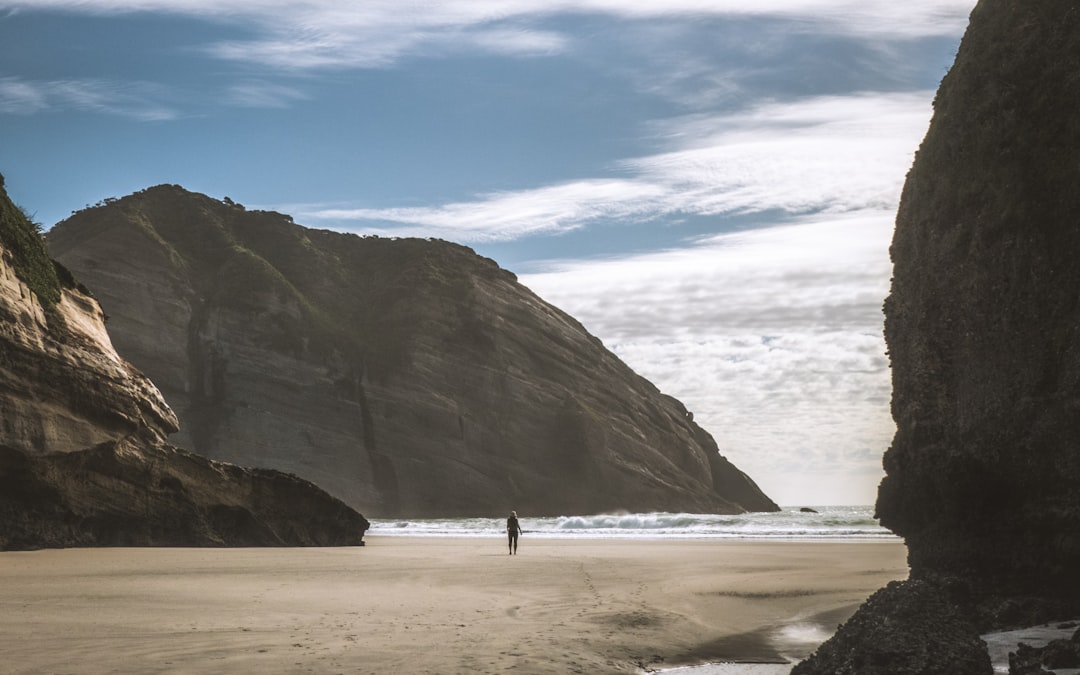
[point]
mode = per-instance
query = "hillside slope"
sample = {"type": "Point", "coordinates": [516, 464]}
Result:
{"type": "Point", "coordinates": [407, 377]}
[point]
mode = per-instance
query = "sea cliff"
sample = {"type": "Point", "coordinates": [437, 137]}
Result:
{"type": "Point", "coordinates": [410, 378]}
{"type": "Point", "coordinates": [983, 330]}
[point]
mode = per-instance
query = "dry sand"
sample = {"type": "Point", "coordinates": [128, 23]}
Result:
{"type": "Point", "coordinates": [431, 605]}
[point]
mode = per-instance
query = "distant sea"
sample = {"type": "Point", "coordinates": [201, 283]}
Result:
{"type": "Point", "coordinates": [829, 523]}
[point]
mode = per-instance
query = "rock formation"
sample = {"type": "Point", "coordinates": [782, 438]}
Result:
{"type": "Point", "coordinates": [983, 329]}
{"type": "Point", "coordinates": [407, 377]}
{"type": "Point", "coordinates": [983, 322]}
{"type": "Point", "coordinates": [1060, 653]}
{"type": "Point", "coordinates": [906, 627]}
{"type": "Point", "coordinates": [82, 453]}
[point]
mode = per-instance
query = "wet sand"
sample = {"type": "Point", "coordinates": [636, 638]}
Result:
{"type": "Point", "coordinates": [431, 605]}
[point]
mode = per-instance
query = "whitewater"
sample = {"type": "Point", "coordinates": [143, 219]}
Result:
{"type": "Point", "coordinates": [828, 523]}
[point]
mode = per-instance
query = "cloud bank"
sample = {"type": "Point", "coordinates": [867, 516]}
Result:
{"type": "Point", "coordinates": [772, 337]}
{"type": "Point", "coordinates": [835, 154]}
{"type": "Point", "coordinates": [314, 34]}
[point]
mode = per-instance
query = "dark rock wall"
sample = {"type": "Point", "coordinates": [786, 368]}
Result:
{"type": "Point", "coordinates": [983, 330]}
{"type": "Point", "coordinates": [406, 377]}
{"type": "Point", "coordinates": [983, 322]}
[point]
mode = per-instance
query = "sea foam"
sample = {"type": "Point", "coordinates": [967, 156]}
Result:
{"type": "Point", "coordinates": [829, 522]}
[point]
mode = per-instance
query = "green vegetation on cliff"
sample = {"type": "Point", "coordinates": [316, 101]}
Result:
{"type": "Point", "coordinates": [23, 238]}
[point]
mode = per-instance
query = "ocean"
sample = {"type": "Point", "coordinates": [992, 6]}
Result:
{"type": "Point", "coordinates": [828, 523]}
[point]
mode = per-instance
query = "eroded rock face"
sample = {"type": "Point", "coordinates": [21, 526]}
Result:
{"type": "Point", "coordinates": [62, 386]}
{"type": "Point", "coordinates": [983, 329]}
{"type": "Point", "coordinates": [82, 455]}
{"type": "Point", "coordinates": [983, 322]}
{"type": "Point", "coordinates": [407, 377]}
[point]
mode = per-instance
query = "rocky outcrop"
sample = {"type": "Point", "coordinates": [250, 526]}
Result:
{"type": "Point", "coordinates": [407, 377]}
{"type": "Point", "coordinates": [907, 628]}
{"type": "Point", "coordinates": [62, 386]}
{"type": "Point", "coordinates": [126, 493]}
{"type": "Point", "coordinates": [983, 322]}
{"type": "Point", "coordinates": [983, 329]}
{"type": "Point", "coordinates": [1061, 653]}
{"type": "Point", "coordinates": [82, 453]}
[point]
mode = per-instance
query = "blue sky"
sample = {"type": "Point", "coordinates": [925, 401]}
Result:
{"type": "Point", "coordinates": [708, 185]}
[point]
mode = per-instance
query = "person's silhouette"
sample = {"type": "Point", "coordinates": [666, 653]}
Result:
{"type": "Point", "coordinates": [513, 529]}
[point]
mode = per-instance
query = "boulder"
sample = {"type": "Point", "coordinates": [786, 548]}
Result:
{"type": "Point", "coordinates": [907, 628]}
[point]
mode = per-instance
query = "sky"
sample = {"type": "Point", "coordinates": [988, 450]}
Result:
{"type": "Point", "coordinates": [709, 186]}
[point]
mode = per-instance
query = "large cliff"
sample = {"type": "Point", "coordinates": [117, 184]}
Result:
{"type": "Point", "coordinates": [407, 377]}
{"type": "Point", "coordinates": [82, 453]}
{"type": "Point", "coordinates": [983, 321]}
{"type": "Point", "coordinates": [983, 330]}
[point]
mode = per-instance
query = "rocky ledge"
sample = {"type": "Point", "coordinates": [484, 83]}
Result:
{"type": "Point", "coordinates": [124, 493]}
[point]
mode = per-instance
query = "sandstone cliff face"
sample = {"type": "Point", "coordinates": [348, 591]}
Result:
{"type": "Point", "coordinates": [983, 329]}
{"type": "Point", "coordinates": [407, 377]}
{"type": "Point", "coordinates": [82, 453]}
{"type": "Point", "coordinates": [62, 386]}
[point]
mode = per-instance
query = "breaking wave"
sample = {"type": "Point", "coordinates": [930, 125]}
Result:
{"type": "Point", "coordinates": [829, 522]}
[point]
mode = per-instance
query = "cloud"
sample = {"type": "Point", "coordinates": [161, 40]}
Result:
{"type": "Point", "coordinates": [511, 215]}
{"type": "Point", "coordinates": [143, 101]}
{"type": "Point", "coordinates": [771, 337]}
{"type": "Point", "coordinates": [376, 33]}
{"type": "Point", "coordinates": [263, 95]}
{"type": "Point", "coordinates": [837, 154]}
{"type": "Point", "coordinates": [137, 100]}
{"type": "Point", "coordinates": [20, 97]}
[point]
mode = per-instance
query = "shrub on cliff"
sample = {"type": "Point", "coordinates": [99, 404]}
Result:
{"type": "Point", "coordinates": [23, 238]}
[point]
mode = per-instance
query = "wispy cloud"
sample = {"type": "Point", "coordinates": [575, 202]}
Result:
{"type": "Point", "coordinates": [822, 154]}
{"type": "Point", "coordinates": [20, 97]}
{"type": "Point", "coordinates": [142, 101]}
{"type": "Point", "coordinates": [772, 337]}
{"type": "Point", "coordinates": [511, 215]}
{"type": "Point", "coordinates": [138, 100]}
{"type": "Point", "coordinates": [376, 33]}
{"type": "Point", "coordinates": [264, 95]}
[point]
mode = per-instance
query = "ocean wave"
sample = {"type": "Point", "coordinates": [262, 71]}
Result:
{"type": "Point", "coordinates": [833, 522]}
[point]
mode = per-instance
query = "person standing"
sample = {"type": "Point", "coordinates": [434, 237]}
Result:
{"type": "Point", "coordinates": [513, 529]}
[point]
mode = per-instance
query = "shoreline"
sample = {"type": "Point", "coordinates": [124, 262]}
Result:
{"type": "Point", "coordinates": [434, 604]}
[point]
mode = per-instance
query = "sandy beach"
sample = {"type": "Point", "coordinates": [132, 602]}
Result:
{"type": "Point", "coordinates": [431, 605]}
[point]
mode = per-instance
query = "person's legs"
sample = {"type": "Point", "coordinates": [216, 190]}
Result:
{"type": "Point", "coordinates": [510, 542]}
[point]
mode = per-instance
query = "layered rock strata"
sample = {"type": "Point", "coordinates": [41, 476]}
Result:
{"type": "Point", "coordinates": [407, 377]}
{"type": "Point", "coordinates": [82, 454]}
